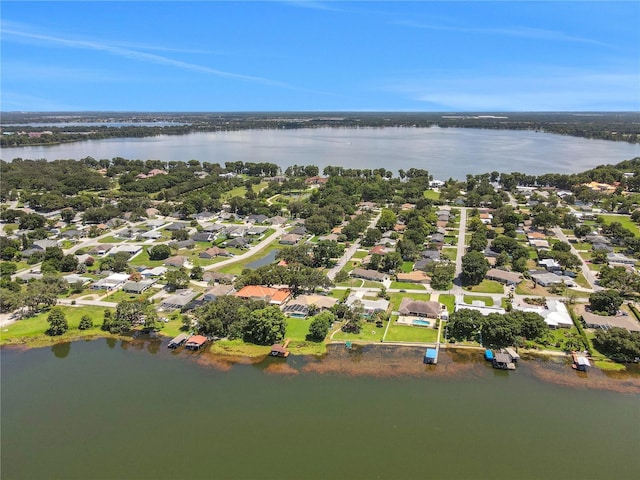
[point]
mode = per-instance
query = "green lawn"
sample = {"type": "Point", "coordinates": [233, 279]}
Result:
{"type": "Point", "coordinates": [432, 195]}
{"type": "Point", "coordinates": [448, 301]}
{"type": "Point", "coordinates": [486, 286]}
{"type": "Point", "coordinates": [34, 328]}
{"type": "Point", "coordinates": [469, 299]}
{"type": "Point", "coordinates": [110, 239]}
{"type": "Point", "coordinates": [625, 221]}
{"type": "Point", "coordinates": [360, 254]}
{"type": "Point", "coordinates": [241, 191]}
{"type": "Point", "coordinates": [407, 267]}
{"type": "Point", "coordinates": [407, 286]}
{"type": "Point", "coordinates": [405, 333]}
{"type": "Point", "coordinates": [449, 252]}
{"type": "Point", "coordinates": [369, 332]}
{"type": "Point", "coordinates": [120, 296]}
{"type": "Point", "coordinates": [297, 329]}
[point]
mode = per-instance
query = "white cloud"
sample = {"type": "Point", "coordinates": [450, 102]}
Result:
{"type": "Point", "coordinates": [516, 31]}
{"type": "Point", "coordinates": [14, 33]}
{"type": "Point", "coordinates": [544, 89]}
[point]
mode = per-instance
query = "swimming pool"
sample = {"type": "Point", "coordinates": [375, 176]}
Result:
{"type": "Point", "coordinates": [421, 323]}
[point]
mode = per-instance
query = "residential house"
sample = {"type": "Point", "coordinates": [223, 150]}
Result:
{"type": "Point", "coordinates": [366, 274]}
{"type": "Point", "coordinates": [290, 239]}
{"type": "Point", "coordinates": [217, 277]}
{"type": "Point", "coordinates": [300, 307]}
{"type": "Point", "coordinates": [591, 320]}
{"type": "Point", "coordinates": [180, 299]}
{"type": "Point", "coordinates": [417, 276]}
{"type": "Point", "coordinates": [419, 308]}
{"type": "Point", "coordinates": [239, 242]}
{"type": "Point", "coordinates": [203, 237]}
{"type": "Point", "coordinates": [44, 244]}
{"type": "Point", "coordinates": [176, 261]}
{"type": "Point", "coordinates": [299, 231]}
{"type": "Point", "coordinates": [502, 276]}
{"type": "Point", "coordinates": [127, 248]}
{"type": "Point", "coordinates": [370, 306]}
{"type": "Point", "coordinates": [112, 282]}
{"type": "Point", "coordinates": [154, 272]}
{"type": "Point", "coordinates": [621, 259]}
{"type": "Point", "coordinates": [218, 291]}
{"type": "Point", "coordinates": [189, 243]}
{"type": "Point", "coordinates": [274, 296]}
{"type": "Point", "coordinates": [215, 252]}
{"type": "Point", "coordinates": [138, 287]}
{"type": "Point", "coordinates": [257, 218]}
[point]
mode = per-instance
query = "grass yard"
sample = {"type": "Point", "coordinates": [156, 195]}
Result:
{"type": "Point", "coordinates": [625, 221]}
{"type": "Point", "coordinates": [432, 195]}
{"type": "Point", "coordinates": [34, 328]}
{"type": "Point", "coordinates": [369, 333]}
{"type": "Point", "coordinates": [241, 191]}
{"type": "Point", "coordinates": [449, 252]}
{"type": "Point", "coordinates": [110, 239]}
{"type": "Point", "coordinates": [469, 299]}
{"type": "Point", "coordinates": [297, 329]}
{"type": "Point", "coordinates": [405, 333]}
{"type": "Point", "coordinates": [407, 286]}
{"type": "Point", "coordinates": [448, 301]}
{"type": "Point", "coordinates": [360, 254]}
{"type": "Point", "coordinates": [486, 286]}
{"type": "Point", "coordinates": [407, 267]}
{"type": "Point", "coordinates": [527, 288]}
{"type": "Point", "coordinates": [120, 296]}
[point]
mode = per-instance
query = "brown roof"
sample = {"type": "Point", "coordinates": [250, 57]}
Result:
{"type": "Point", "coordinates": [504, 275]}
{"type": "Point", "coordinates": [274, 295]}
{"type": "Point", "coordinates": [197, 340]}
{"type": "Point", "coordinates": [409, 306]}
{"type": "Point", "coordinates": [417, 276]}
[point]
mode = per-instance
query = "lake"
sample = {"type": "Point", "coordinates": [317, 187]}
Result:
{"type": "Point", "coordinates": [444, 152]}
{"type": "Point", "coordinates": [114, 409]}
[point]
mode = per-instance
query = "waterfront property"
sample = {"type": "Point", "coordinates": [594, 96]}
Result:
{"type": "Point", "coordinates": [196, 342]}
{"type": "Point", "coordinates": [178, 341]}
{"type": "Point", "coordinates": [430, 356]}
{"type": "Point", "coordinates": [503, 361]}
{"type": "Point", "coordinates": [580, 362]}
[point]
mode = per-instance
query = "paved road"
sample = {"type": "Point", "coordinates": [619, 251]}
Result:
{"type": "Point", "coordinates": [252, 251]}
{"type": "Point", "coordinates": [586, 271]}
{"type": "Point", "coordinates": [350, 252]}
{"type": "Point", "coordinates": [457, 285]}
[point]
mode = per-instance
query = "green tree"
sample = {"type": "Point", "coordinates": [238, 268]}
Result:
{"type": "Point", "coordinates": [197, 272]}
{"type": "Point", "coordinates": [85, 323]}
{"type": "Point", "coordinates": [618, 343]}
{"type": "Point", "coordinates": [474, 268]}
{"type": "Point", "coordinates": [159, 252]}
{"type": "Point", "coordinates": [320, 325]}
{"type": "Point", "coordinates": [265, 326]}
{"type": "Point", "coordinates": [464, 325]}
{"type": "Point", "coordinates": [605, 301]}
{"type": "Point", "coordinates": [387, 220]}
{"type": "Point", "coordinates": [371, 236]}
{"type": "Point", "coordinates": [57, 322]}
{"type": "Point", "coordinates": [177, 279]}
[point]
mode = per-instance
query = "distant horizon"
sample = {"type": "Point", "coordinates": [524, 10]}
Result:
{"type": "Point", "coordinates": [425, 112]}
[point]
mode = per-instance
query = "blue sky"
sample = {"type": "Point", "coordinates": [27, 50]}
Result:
{"type": "Point", "coordinates": [315, 56]}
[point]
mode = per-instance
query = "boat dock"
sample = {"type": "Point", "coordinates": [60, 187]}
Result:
{"type": "Point", "coordinates": [278, 350]}
{"type": "Point", "coordinates": [580, 362]}
{"type": "Point", "coordinates": [179, 340]}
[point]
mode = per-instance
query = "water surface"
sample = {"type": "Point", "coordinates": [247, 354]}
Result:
{"type": "Point", "coordinates": [444, 152]}
{"type": "Point", "coordinates": [111, 409]}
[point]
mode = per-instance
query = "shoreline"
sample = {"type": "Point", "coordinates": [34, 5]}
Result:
{"type": "Point", "coordinates": [377, 359]}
